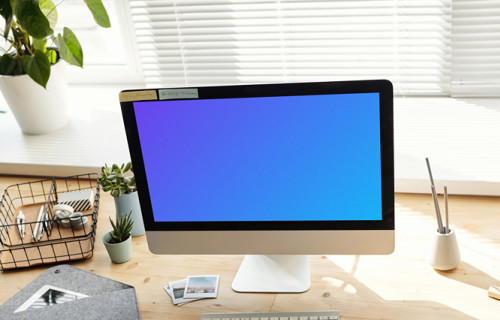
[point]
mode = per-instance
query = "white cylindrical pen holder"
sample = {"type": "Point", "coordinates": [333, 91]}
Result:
{"type": "Point", "coordinates": [445, 254]}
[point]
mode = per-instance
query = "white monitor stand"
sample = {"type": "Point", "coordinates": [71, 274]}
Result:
{"type": "Point", "coordinates": [273, 273]}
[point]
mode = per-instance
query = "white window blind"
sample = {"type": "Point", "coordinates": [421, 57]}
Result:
{"type": "Point", "coordinates": [476, 48]}
{"type": "Point", "coordinates": [206, 42]}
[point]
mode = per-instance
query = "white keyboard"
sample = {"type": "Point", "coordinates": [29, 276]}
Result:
{"type": "Point", "coordinates": [308, 315]}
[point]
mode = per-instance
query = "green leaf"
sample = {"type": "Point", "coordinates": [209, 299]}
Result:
{"type": "Point", "coordinates": [49, 10]}
{"type": "Point", "coordinates": [113, 180]}
{"type": "Point", "coordinates": [37, 67]}
{"type": "Point", "coordinates": [70, 48]}
{"type": "Point", "coordinates": [40, 44]}
{"type": "Point", "coordinates": [31, 18]}
{"type": "Point", "coordinates": [122, 228]}
{"type": "Point", "coordinates": [10, 66]}
{"type": "Point", "coordinates": [6, 12]}
{"type": "Point", "coordinates": [99, 12]}
{"type": "Point", "coordinates": [112, 223]}
{"type": "Point", "coordinates": [128, 167]}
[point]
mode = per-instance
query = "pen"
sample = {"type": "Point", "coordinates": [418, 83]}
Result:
{"type": "Point", "coordinates": [42, 226]}
{"type": "Point", "coordinates": [46, 223]}
{"type": "Point", "coordinates": [20, 224]}
{"type": "Point", "coordinates": [447, 228]}
{"type": "Point", "coordinates": [37, 225]}
{"type": "Point", "coordinates": [429, 169]}
{"type": "Point", "coordinates": [434, 196]}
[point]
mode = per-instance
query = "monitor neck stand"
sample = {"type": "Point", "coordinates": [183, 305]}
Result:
{"type": "Point", "coordinates": [273, 273]}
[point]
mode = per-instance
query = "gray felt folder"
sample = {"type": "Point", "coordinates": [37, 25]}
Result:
{"type": "Point", "coordinates": [107, 299]}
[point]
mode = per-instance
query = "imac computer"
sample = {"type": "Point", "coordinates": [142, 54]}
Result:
{"type": "Point", "coordinates": [276, 172]}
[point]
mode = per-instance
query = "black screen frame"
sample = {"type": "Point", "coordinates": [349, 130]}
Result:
{"type": "Point", "coordinates": [383, 87]}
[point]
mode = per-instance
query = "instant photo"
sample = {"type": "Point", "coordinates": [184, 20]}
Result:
{"type": "Point", "coordinates": [201, 287]}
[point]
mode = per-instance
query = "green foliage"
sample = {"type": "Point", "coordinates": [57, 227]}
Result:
{"type": "Point", "coordinates": [70, 48]}
{"type": "Point", "coordinates": [115, 180]}
{"type": "Point", "coordinates": [121, 229]}
{"type": "Point", "coordinates": [29, 26]}
{"type": "Point", "coordinates": [31, 18]}
{"type": "Point", "coordinates": [37, 66]}
{"type": "Point", "coordinates": [99, 12]}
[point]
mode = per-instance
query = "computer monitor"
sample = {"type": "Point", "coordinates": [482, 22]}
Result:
{"type": "Point", "coordinates": [274, 171]}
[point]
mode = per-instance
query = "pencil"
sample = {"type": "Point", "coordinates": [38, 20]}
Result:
{"type": "Point", "coordinates": [447, 228]}
{"type": "Point", "coordinates": [436, 207]}
{"type": "Point", "coordinates": [37, 225]}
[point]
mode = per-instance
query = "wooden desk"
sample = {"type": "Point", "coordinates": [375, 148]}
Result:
{"type": "Point", "coordinates": [397, 286]}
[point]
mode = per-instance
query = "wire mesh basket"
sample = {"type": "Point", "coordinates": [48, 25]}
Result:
{"type": "Point", "coordinates": [43, 237]}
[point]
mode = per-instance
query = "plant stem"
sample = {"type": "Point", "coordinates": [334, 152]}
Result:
{"type": "Point", "coordinates": [57, 5]}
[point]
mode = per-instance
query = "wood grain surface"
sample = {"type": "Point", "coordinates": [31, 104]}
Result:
{"type": "Point", "coordinates": [398, 286]}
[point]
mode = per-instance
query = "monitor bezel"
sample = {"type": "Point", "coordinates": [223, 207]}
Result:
{"type": "Point", "coordinates": [383, 87]}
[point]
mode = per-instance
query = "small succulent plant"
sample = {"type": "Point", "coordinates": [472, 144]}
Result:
{"type": "Point", "coordinates": [121, 229]}
{"type": "Point", "coordinates": [115, 180]}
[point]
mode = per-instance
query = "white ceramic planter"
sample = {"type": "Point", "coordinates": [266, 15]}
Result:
{"type": "Point", "coordinates": [118, 252]}
{"type": "Point", "coordinates": [124, 204]}
{"type": "Point", "coordinates": [37, 110]}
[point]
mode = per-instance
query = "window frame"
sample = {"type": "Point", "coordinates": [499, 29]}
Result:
{"type": "Point", "coordinates": [129, 74]}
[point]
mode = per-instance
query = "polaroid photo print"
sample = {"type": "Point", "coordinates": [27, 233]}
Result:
{"type": "Point", "coordinates": [176, 290]}
{"type": "Point", "coordinates": [49, 295]}
{"type": "Point", "coordinates": [168, 289]}
{"type": "Point", "coordinates": [201, 287]}
{"type": "Point", "coordinates": [171, 294]}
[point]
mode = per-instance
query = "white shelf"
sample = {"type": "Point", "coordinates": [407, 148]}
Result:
{"type": "Point", "coordinates": [94, 136]}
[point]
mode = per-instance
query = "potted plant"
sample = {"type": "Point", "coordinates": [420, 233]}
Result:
{"type": "Point", "coordinates": [119, 181]}
{"type": "Point", "coordinates": [31, 78]}
{"type": "Point", "coordinates": [118, 242]}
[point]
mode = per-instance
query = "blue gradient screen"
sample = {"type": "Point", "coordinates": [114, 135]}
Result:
{"type": "Point", "coordinates": [287, 158]}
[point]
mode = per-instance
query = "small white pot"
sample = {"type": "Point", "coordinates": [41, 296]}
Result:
{"type": "Point", "coordinates": [37, 110]}
{"type": "Point", "coordinates": [445, 254]}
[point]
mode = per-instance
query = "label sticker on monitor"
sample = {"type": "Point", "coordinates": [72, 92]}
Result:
{"type": "Point", "coordinates": [168, 94]}
{"type": "Point", "coordinates": [140, 95]}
